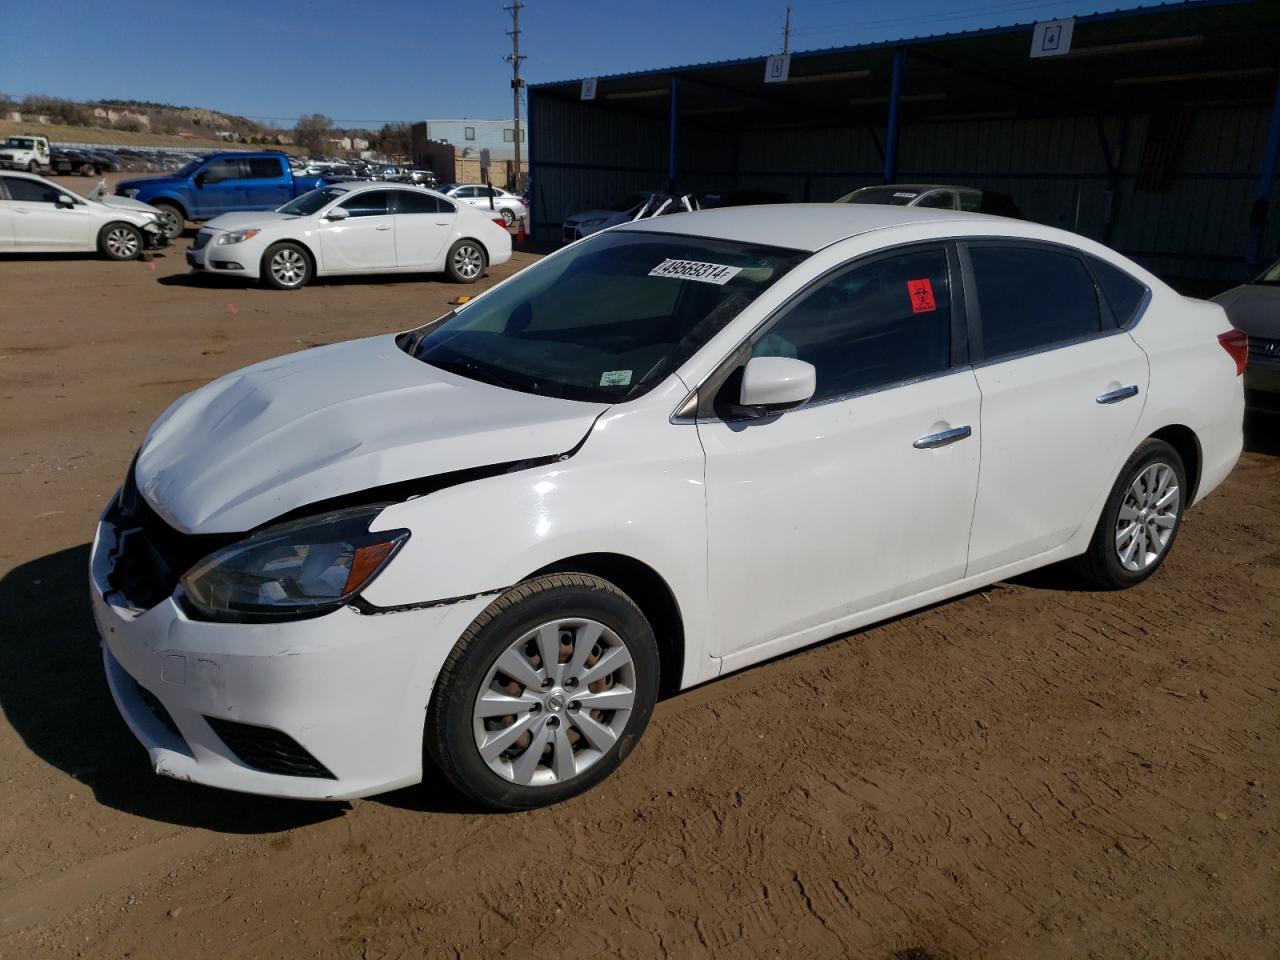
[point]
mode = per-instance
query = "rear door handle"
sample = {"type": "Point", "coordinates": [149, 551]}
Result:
{"type": "Point", "coordinates": [1115, 396]}
{"type": "Point", "coordinates": [943, 438]}
{"type": "Point", "coordinates": [382, 228]}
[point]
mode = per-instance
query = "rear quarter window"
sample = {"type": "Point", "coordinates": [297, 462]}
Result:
{"type": "Point", "coordinates": [1123, 293]}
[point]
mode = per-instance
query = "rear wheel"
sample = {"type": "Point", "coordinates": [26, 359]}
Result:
{"type": "Point", "coordinates": [465, 262]}
{"type": "Point", "coordinates": [508, 218]}
{"type": "Point", "coordinates": [175, 221]}
{"type": "Point", "coordinates": [1140, 519]}
{"type": "Point", "coordinates": [286, 266]}
{"type": "Point", "coordinates": [545, 694]}
{"type": "Point", "coordinates": [120, 241]}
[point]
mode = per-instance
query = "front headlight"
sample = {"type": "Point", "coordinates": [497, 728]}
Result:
{"type": "Point", "coordinates": [237, 236]}
{"type": "Point", "coordinates": [592, 222]}
{"type": "Point", "coordinates": [300, 568]}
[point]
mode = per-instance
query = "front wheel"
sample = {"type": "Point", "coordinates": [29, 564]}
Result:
{"type": "Point", "coordinates": [286, 266]}
{"type": "Point", "coordinates": [465, 262]}
{"type": "Point", "coordinates": [32, 166]}
{"type": "Point", "coordinates": [120, 241]}
{"type": "Point", "coordinates": [175, 221]}
{"type": "Point", "coordinates": [1140, 519]}
{"type": "Point", "coordinates": [545, 694]}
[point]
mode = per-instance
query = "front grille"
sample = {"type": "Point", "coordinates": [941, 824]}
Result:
{"type": "Point", "coordinates": [201, 240]}
{"type": "Point", "coordinates": [152, 556]}
{"type": "Point", "coordinates": [157, 708]}
{"type": "Point", "coordinates": [1260, 349]}
{"type": "Point", "coordinates": [268, 750]}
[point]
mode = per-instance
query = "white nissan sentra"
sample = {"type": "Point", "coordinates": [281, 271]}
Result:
{"type": "Point", "coordinates": [663, 453]}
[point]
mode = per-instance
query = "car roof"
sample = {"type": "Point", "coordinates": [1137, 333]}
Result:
{"type": "Point", "coordinates": [918, 187]}
{"type": "Point", "coordinates": [807, 226]}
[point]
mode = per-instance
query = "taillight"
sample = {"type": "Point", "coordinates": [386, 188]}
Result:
{"type": "Point", "coordinates": [1236, 343]}
{"type": "Point", "coordinates": [500, 222]}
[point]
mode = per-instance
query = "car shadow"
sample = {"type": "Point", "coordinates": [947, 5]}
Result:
{"type": "Point", "coordinates": [54, 695]}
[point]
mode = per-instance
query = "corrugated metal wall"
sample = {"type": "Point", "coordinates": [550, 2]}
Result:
{"type": "Point", "coordinates": [1191, 223]}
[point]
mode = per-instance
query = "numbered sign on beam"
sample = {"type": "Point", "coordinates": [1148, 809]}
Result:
{"type": "Point", "coordinates": [589, 88]}
{"type": "Point", "coordinates": [778, 68]}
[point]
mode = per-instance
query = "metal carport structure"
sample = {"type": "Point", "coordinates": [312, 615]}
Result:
{"type": "Point", "coordinates": [1157, 133]}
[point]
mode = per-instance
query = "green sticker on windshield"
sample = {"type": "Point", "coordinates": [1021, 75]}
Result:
{"type": "Point", "coordinates": [615, 378]}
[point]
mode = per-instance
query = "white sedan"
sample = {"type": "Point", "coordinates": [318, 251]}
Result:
{"type": "Point", "coordinates": [350, 228]}
{"type": "Point", "coordinates": [38, 216]}
{"type": "Point", "coordinates": [507, 205]}
{"type": "Point", "coordinates": [654, 457]}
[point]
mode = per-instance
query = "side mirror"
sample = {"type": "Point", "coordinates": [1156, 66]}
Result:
{"type": "Point", "coordinates": [337, 213]}
{"type": "Point", "coordinates": [774, 384]}
{"type": "Point", "coordinates": [65, 201]}
{"type": "Point", "coordinates": [198, 179]}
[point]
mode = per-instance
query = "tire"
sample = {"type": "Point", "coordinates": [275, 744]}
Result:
{"type": "Point", "coordinates": [120, 241]}
{"type": "Point", "coordinates": [175, 221]}
{"type": "Point", "coordinates": [286, 266]}
{"type": "Point", "coordinates": [32, 166]}
{"type": "Point", "coordinates": [1125, 550]}
{"type": "Point", "coordinates": [508, 217]}
{"type": "Point", "coordinates": [572, 609]}
{"type": "Point", "coordinates": [465, 262]}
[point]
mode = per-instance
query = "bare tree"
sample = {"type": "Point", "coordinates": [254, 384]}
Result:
{"type": "Point", "coordinates": [312, 132]}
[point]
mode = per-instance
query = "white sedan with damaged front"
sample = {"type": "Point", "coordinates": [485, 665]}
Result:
{"type": "Point", "coordinates": [353, 228]}
{"type": "Point", "coordinates": [658, 455]}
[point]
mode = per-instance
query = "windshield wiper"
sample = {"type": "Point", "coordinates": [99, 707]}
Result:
{"type": "Point", "coordinates": [475, 371]}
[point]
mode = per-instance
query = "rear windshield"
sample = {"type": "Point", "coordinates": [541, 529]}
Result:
{"type": "Point", "coordinates": [626, 202]}
{"type": "Point", "coordinates": [606, 320]}
{"type": "Point", "coordinates": [311, 201]}
{"type": "Point", "coordinates": [1271, 275]}
{"type": "Point", "coordinates": [894, 195]}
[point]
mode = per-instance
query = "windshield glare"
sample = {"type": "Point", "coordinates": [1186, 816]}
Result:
{"type": "Point", "coordinates": [628, 201]}
{"type": "Point", "coordinates": [893, 195]}
{"type": "Point", "coordinates": [311, 202]}
{"type": "Point", "coordinates": [598, 322]}
{"type": "Point", "coordinates": [1270, 275]}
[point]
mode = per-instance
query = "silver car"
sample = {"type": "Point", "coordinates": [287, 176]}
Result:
{"type": "Point", "coordinates": [508, 206]}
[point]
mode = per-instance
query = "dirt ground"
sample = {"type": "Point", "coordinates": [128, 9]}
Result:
{"type": "Point", "coordinates": [1030, 771]}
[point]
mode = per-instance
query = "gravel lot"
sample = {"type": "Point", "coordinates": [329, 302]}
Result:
{"type": "Point", "coordinates": [1030, 771]}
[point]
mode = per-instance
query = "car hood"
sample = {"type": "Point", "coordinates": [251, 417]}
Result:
{"type": "Point", "coordinates": [331, 421]}
{"type": "Point", "coordinates": [1253, 308]}
{"type": "Point", "coordinates": [248, 218]}
{"type": "Point", "coordinates": [608, 215]}
{"type": "Point", "coordinates": [126, 203]}
{"type": "Point", "coordinates": [151, 183]}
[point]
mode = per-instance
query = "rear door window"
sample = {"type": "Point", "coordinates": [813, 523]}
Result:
{"type": "Point", "coordinates": [264, 168]}
{"type": "Point", "coordinates": [1122, 292]}
{"type": "Point", "coordinates": [871, 325]}
{"type": "Point", "coordinates": [413, 201]}
{"type": "Point", "coordinates": [1030, 298]}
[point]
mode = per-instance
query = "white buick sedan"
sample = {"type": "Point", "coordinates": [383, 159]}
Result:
{"type": "Point", "coordinates": [663, 453]}
{"type": "Point", "coordinates": [353, 228]}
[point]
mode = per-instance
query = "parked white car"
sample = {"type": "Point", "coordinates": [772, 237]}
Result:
{"type": "Point", "coordinates": [507, 205]}
{"type": "Point", "coordinates": [651, 458]}
{"type": "Point", "coordinates": [625, 209]}
{"type": "Point", "coordinates": [351, 228]}
{"type": "Point", "coordinates": [39, 216]}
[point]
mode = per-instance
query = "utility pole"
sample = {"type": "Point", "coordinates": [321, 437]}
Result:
{"type": "Point", "coordinates": [514, 58]}
{"type": "Point", "coordinates": [786, 32]}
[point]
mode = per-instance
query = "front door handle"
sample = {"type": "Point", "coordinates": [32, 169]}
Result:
{"type": "Point", "coordinates": [1115, 396]}
{"type": "Point", "coordinates": [943, 438]}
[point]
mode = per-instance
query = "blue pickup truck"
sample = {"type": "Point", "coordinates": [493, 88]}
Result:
{"type": "Point", "coordinates": [219, 183]}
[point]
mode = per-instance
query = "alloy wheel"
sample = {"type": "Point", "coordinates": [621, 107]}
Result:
{"type": "Point", "coordinates": [1148, 516]}
{"type": "Point", "coordinates": [468, 261]}
{"type": "Point", "coordinates": [555, 702]}
{"type": "Point", "coordinates": [122, 243]}
{"type": "Point", "coordinates": [288, 267]}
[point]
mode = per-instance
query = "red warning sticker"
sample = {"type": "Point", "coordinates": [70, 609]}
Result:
{"type": "Point", "coordinates": [921, 293]}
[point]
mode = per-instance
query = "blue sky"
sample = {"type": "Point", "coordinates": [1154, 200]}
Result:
{"type": "Point", "coordinates": [410, 59]}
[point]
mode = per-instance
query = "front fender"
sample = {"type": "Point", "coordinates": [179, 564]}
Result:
{"type": "Point", "coordinates": [635, 489]}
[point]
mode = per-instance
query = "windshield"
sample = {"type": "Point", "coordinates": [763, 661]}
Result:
{"type": "Point", "coordinates": [21, 143]}
{"type": "Point", "coordinates": [628, 201]}
{"type": "Point", "coordinates": [894, 195]}
{"type": "Point", "coordinates": [1271, 275]}
{"type": "Point", "coordinates": [606, 320]}
{"type": "Point", "coordinates": [188, 168]}
{"type": "Point", "coordinates": [311, 201]}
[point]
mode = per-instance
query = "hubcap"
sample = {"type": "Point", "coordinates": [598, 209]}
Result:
{"type": "Point", "coordinates": [172, 222]}
{"type": "Point", "coordinates": [1148, 517]}
{"type": "Point", "coordinates": [554, 702]}
{"type": "Point", "coordinates": [122, 243]}
{"type": "Point", "coordinates": [288, 267]}
{"type": "Point", "coordinates": [468, 261]}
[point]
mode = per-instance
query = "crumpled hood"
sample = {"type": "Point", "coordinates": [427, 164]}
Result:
{"type": "Point", "coordinates": [332, 421]}
{"type": "Point", "coordinates": [1253, 308]}
{"type": "Point", "coordinates": [139, 183]}
{"type": "Point", "coordinates": [247, 218]}
{"type": "Point", "coordinates": [127, 203]}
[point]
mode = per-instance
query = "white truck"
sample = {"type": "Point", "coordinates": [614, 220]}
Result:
{"type": "Point", "coordinates": [28, 153]}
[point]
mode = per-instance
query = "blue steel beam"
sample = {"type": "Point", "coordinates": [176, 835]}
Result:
{"type": "Point", "coordinates": [1258, 216]}
{"type": "Point", "coordinates": [891, 140]}
{"type": "Point", "coordinates": [675, 134]}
